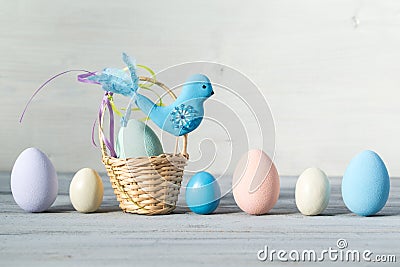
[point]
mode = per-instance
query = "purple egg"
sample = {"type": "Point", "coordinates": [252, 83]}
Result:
{"type": "Point", "coordinates": [34, 183]}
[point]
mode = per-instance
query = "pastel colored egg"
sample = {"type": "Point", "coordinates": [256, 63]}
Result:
{"type": "Point", "coordinates": [202, 193]}
{"type": "Point", "coordinates": [86, 190]}
{"type": "Point", "coordinates": [366, 184]}
{"type": "Point", "coordinates": [256, 183]}
{"type": "Point", "coordinates": [137, 139]}
{"type": "Point", "coordinates": [312, 192]}
{"type": "Point", "coordinates": [34, 183]}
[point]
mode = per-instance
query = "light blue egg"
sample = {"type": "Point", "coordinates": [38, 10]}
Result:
{"type": "Point", "coordinates": [202, 193]}
{"type": "Point", "coordinates": [366, 184]}
{"type": "Point", "coordinates": [137, 139]}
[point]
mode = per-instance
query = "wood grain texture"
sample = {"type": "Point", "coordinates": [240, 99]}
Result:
{"type": "Point", "coordinates": [329, 71]}
{"type": "Point", "coordinates": [64, 237]}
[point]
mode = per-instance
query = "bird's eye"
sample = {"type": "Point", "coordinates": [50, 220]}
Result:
{"type": "Point", "coordinates": [204, 86]}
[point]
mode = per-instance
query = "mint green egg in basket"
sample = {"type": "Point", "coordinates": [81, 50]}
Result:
{"type": "Point", "coordinates": [137, 139]}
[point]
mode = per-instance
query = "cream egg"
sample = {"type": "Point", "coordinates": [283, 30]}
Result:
{"type": "Point", "coordinates": [312, 192]}
{"type": "Point", "coordinates": [86, 190]}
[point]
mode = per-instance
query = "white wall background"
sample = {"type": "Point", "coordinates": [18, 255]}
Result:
{"type": "Point", "coordinates": [329, 69]}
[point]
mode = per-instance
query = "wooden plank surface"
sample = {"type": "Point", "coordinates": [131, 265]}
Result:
{"type": "Point", "coordinates": [64, 237]}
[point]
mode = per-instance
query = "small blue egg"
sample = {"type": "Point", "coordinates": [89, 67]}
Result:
{"type": "Point", "coordinates": [366, 184]}
{"type": "Point", "coordinates": [202, 193]}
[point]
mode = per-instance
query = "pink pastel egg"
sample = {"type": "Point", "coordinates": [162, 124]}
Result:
{"type": "Point", "coordinates": [256, 183]}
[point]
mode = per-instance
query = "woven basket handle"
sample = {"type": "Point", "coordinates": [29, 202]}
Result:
{"type": "Point", "coordinates": [163, 86]}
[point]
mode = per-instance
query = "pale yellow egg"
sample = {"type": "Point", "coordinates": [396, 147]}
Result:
{"type": "Point", "coordinates": [312, 192]}
{"type": "Point", "coordinates": [86, 190]}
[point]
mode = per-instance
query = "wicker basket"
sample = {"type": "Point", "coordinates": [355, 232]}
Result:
{"type": "Point", "coordinates": [146, 185]}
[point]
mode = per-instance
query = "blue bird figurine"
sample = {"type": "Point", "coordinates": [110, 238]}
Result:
{"type": "Point", "coordinates": [186, 113]}
{"type": "Point", "coordinates": [179, 118]}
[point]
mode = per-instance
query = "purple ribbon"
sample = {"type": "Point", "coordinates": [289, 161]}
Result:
{"type": "Point", "coordinates": [83, 78]}
{"type": "Point", "coordinates": [109, 143]}
{"type": "Point", "coordinates": [104, 103]}
{"type": "Point", "coordinates": [85, 75]}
